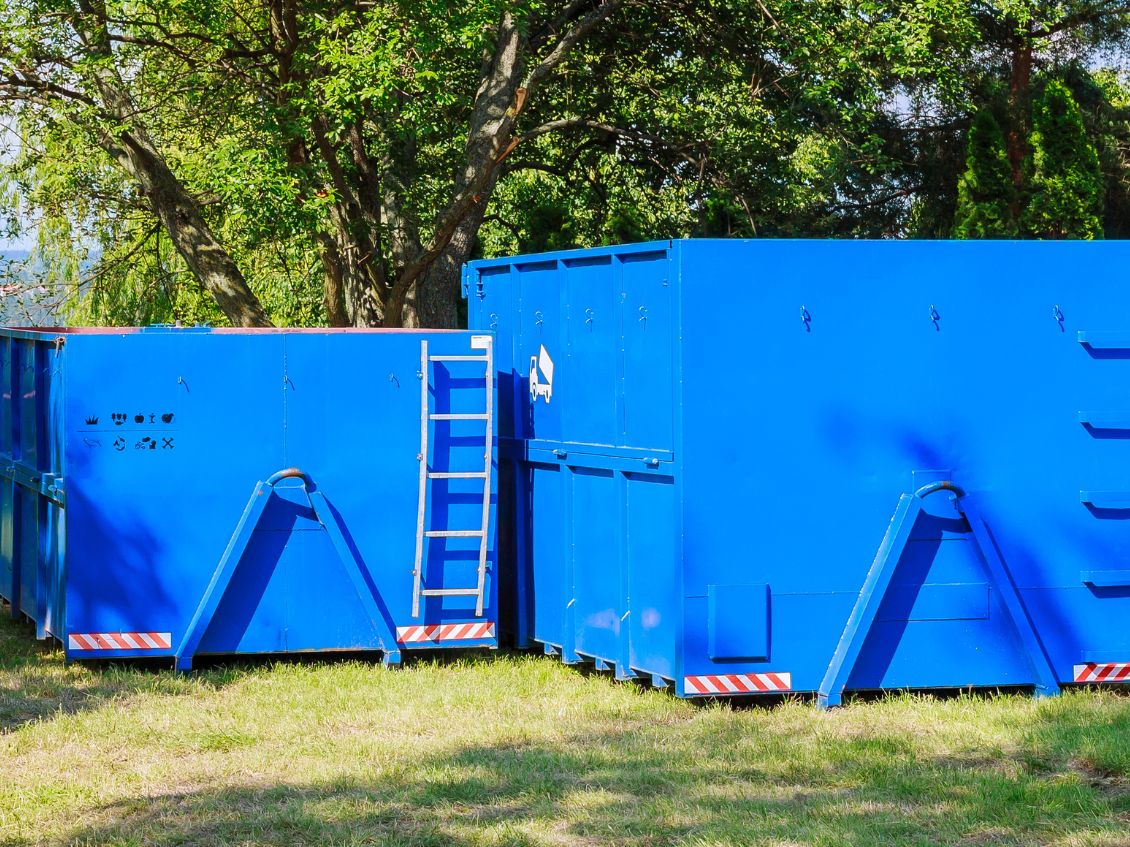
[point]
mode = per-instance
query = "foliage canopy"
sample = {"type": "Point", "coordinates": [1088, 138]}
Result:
{"type": "Point", "coordinates": [295, 162]}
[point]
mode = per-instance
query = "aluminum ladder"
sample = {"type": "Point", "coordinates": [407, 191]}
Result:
{"type": "Point", "coordinates": [478, 342]}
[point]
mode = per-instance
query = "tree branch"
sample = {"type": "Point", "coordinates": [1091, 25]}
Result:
{"type": "Point", "coordinates": [575, 33]}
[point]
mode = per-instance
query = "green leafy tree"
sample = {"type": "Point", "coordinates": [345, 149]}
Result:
{"type": "Point", "coordinates": [373, 132]}
{"type": "Point", "coordinates": [985, 193]}
{"type": "Point", "coordinates": [1067, 184]}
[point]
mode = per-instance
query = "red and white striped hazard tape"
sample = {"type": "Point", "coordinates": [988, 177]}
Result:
{"type": "Point", "coordinates": [445, 632]}
{"type": "Point", "coordinates": [120, 640]}
{"type": "Point", "coordinates": [738, 683]}
{"type": "Point", "coordinates": [1103, 672]}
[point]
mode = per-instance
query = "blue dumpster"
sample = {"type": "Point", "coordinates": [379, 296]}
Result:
{"type": "Point", "coordinates": [748, 467]}
{"type": "Point", "coordinates": [174, 492]}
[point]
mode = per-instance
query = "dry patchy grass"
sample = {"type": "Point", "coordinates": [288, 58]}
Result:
{"type": "Point", "coordinates": [518, 750]}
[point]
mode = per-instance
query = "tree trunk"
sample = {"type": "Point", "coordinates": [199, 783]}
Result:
{"type": "Point", "coordinates": [492, 121]}
{"type": "Point", "coordinates": [183, 219]}
{"type": "Point", "coordinates": [437, 300]}
{"type": "Point", "coordinates": [1019, 89]}
{"type": "Point", "coordinates": [429, 283]}
{"type": "Point", "coordinates": [178, 211]}
{"type": "Point", "coordinates": [334, 292]}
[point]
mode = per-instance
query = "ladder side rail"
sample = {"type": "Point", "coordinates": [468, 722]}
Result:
{"type": "Point", "coordinates": [421, 509]}
{"type": "Point", "coordinates": [488, 464]}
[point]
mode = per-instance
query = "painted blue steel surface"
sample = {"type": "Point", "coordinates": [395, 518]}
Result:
{"type": "Point", "coordinates": [740, 420]}
{"type": "Point", "coordinates": [129, 457]}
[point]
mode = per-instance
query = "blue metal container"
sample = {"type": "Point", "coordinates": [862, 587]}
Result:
{"type": "Point", "coordinates": [760, 466]}
{"type": "Point", "coordinates": [176, 492]}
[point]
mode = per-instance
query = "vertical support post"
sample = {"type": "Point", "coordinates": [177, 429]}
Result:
{"type": "Point", "coordinates": [421, 508]}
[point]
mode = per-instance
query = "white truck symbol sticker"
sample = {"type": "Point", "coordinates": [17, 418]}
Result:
{"type": "Point", "coordinates": [543, 363]}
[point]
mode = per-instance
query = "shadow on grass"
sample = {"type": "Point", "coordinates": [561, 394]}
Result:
{"type": "Point", "coordinates": [36, 682]}
{"type": "Point", "coordinates": [699, 782]}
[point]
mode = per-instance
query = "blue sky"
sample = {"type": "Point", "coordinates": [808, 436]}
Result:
{"type": "Point", "coordinates": [25, 243]}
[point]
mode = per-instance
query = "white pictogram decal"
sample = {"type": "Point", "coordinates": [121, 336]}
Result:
{"type": "Point", "coordinates": [541, 362]}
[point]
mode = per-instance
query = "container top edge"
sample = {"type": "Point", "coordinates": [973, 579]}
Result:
{"type": "Point", "coordinates": [577, 253]}
{"type": "Point", "coordinates": [51, 332]}
{"type": "Point", "coordinates": [647, 246]}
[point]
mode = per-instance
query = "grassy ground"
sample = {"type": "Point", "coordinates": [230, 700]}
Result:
{"type": "Point", "coordinates": [515, 750]}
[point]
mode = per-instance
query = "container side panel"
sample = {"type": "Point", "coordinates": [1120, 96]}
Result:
{"type": "Point", "coordinates": [546, 558]}
{"type": "Point", "coordinates": [32, 363]}
{"type": "Point", "coordinates": [596, 567]}
{"type": "Point", "coordinates": [590, 385]}
{"type": "Point", "coordinates": [649, 385]}
{"type": "Point", "coordinates": [540, 348]}
{"type": "Point", "coordinates": [353, 417]}
{"type": "Point", "coordinates": [9, 522]}
{"type": "Point", "coordinates": [168, 434]}
{"type": "Point", "coordinates": [9, 392]}
{"type": "Point", "coordinates": [55, 561]}
{"type": "Point", "coordinates": [594, 501]}
{"type": "Point", "coordinates": [873, 369]}
{"type": "Point", "coordinates": [27, 550]}
{"type": "Point", "coordinates": [55, 524]}
{"type": "Point", "coordinates": [653, 593]}
{"type": "Point", "coordinates": [488, 308]}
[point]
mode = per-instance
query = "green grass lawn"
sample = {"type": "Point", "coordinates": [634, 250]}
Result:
{"type": "Point", "coordinates": [519, 750]}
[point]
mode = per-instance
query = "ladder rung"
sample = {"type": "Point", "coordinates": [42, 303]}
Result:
{"type": "Point", "coordinates": [453, 533]}
{"type": "Point", "coordinates": [450, 592]}
{"type": "Point", "coordinates": [482, 359]}
{"type": "Point", "coordinates": [454, 475]}
{"type": "Point", "coordinates": [460, 417]}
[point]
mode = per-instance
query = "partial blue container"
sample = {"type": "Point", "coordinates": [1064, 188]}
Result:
{"type": "Point", "coordinates": [173, 492]}
{"type": "Point", "coordinates": [745, 467]}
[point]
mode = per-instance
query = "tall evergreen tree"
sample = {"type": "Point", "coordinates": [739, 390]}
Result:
{"type": "Point", "coordinates": [985, 194]}
{"type": "Point", "coordinates": [1067, 183]}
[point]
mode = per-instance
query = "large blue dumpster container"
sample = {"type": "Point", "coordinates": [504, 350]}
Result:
{"type": "Point", "coordinates": [761, 466]}
{"type": "Point", "coordinates": [175, 492]}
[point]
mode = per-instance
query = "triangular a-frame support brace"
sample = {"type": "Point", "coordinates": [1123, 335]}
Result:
{"type": "Point", "coordinates": [879, 580]}
{"type": "Point", "coordinates": [237, 546]}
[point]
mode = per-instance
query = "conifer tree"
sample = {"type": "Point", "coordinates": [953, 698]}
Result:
{"type": "Point", "coordinates": [1067, 182]}
{"type": "Point", "coordinates": [985, 193]}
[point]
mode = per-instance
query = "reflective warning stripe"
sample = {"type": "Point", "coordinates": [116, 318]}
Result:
{"type": "Point", "coordinates": [738, 683]}
{"type": "Point", "coordinates": [445, 632]}
{"type": "Point", "coordinates": [1103, 672]}
{"type": "Point", "coordinates": [120, 641]}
